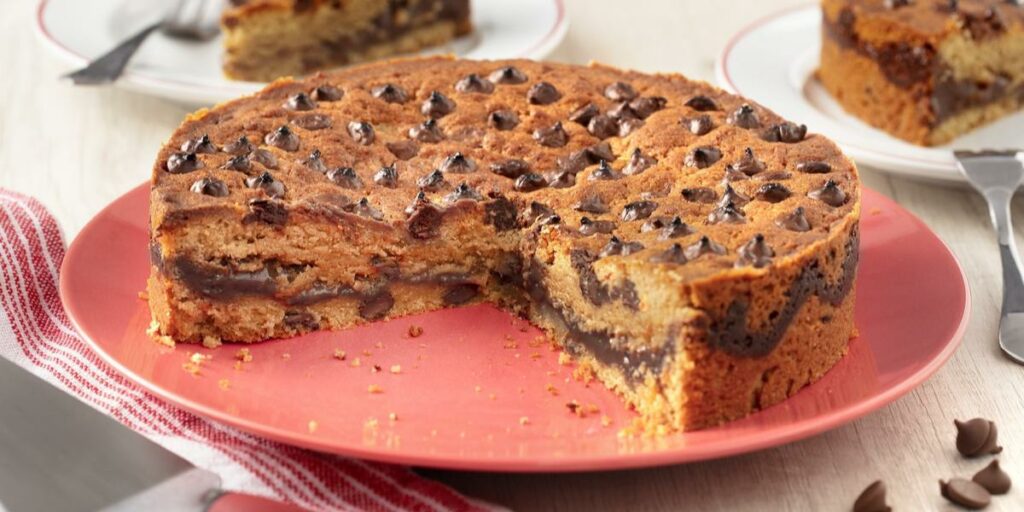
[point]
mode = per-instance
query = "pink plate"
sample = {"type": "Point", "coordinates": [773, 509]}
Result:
{"type": "Point", "coordinates": [478, 389]}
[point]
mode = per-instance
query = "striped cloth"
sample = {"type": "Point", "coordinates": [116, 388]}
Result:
{"type": "Point", "coordinates": [35, 333]}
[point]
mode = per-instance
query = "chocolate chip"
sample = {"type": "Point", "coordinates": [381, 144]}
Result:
{"type": "Point", "coordinates": [598, 152]}
{"type": "Point", "coordinates": [560, 179]}
{"type": "Point", "coordinates": [508, 75]}
{"type": "Point", "coordinates": [726, 214]}
{"type": "Point", "coordinates": [553, 136]}
{"type": "Point", "coordinates": [500, 213]}
{"type": "Point", "coordinates": [976, 437]}
{"type": "Point", "coordinates": [616, 247]}
{"type": "Point", "coordinates": [473, 83]}
{"type": "Point", "coordinates": [731, 174]}
{"type": "Point", "coordinates": [774, 176]}
{"type": "Point", "coordinates": [327, 93]}
{"type": "Point", "coordinates": [702, 103]}
{"type": "Point", "coordinates": [620, 91]}
{"type": "Point", "coordinates": [604, 172]}
{"type": "Point", "coordinates": [674, 254]}
{"type": "Point", "coordinates": [282, 138]}
{"type": "Point", "coordinates": [437, 105]}
{"type": "Point", "coordinates": [376, 306]}
{"type": "Point", "coordinates": [238, 163]}
{"type": "Point", "coordinates": [463, 192]}
{"type": "Point", "coordinates": [785, 132]}
{"type": "Point", "coordinates": [345, 177]}
{"type": "Point", "coordinates": [699, 195]}
{"type": "Point", "coordinates": [363, 208]}
{"type": "Point", "coordinates": [630, 248]}
{"type": "Point", "coordinates": [699, 125]}
{"type": "Point", "coordinates": [537, 212]}
{"type": "Point", "coordinates": [529, 182]}
{"type": "Point", "coordinates": [386, 176]}
{"type": "Point", "coordinates": [756, 253]}
{"type": "Point", "coordinates": [628, 126]}
{"type": "Point", "coordinates": [638, 210]}
{"type": "Point", "coordinates": [647, 105]}
{"type": "Point", "coordinates": [299, 102]}
{"type": "Point", "coordinates": [584, 114]}
{"type": "Point", "coordinates": [872, 499]}
{"type": "Point", "coordinates": [655, 224]}
{"type": "Point", "coordinates": [592, 227]}
{"type": "Point", "coordinates": [575, 162]}
{"type": "Point", "coordinates": [542, 93]}
{"type": "Point", "coordinates": [271, 187]}
{"type": "Point", "coordinates": [390, 93]}
{"type": "Point", "coordinates": [638, 163]}
{"type": "Point", "coordinates": [704, 246]}
{"type": "Point", "coordinates": [965, 493]}
{"type": "Point", "coordinates": [621, 111]}
{"type": "Point", "coordinates": [795, 220]}
{"type": "Point", "coordinates": [773, 192]}
{"type": "Point", "coordinates": [180, 163]}
{"type": "Point", "coordinates": [814, 167]}
{"type": "Point", "coordinates": [676, 228]}
{"type": "Point", "coordinates": [242, 146]}
{"type": "Point", "coordinates": [512, 168]}
{"type": "Point", "coordinates": [702, 157]}
{"type": "Point", "coordinates": [432, 182]}
{"type": "Point", "coordinates": [403, 150]}
{"type": "Point", "coordinates": [362, 132]}
{"type": "Point", "coordinates": [313, 122]}
{"type": "Point", "coordinates": [424, 218]}
{"type": "Point", "coordinates": [591, 203]}
{"type": "Point", "coordinates": [457, 163]}
{"type": "Point", "coordinates": [209, 187]}
{"type": "Point", "coordinates": [896, 4]}
{"type": "Point", "coordinates": [268, 211]}
{"type": "Point", "coordinates": [314, 162]}
{"type": "Point", "coordinates": [748, 163]}
{"type": "Point", "coordinates": [199, 145]}
{"type": "Point", "coordinates": [264, 157]}
{"type": "Point", "coordinates": [829, 193]}
{"type": "Point", "coordinates": [428, 131]}
{"type": "Point", "coordinates": [461, 293]}
{"type": "Point", "coordinates": [503, 120]}
{"type": "Point", "coordinates": [602, 126]}
{"type": "Point", "coordinates": [993, 479]}
{"type": "Point", "coordinates": [744, 117]}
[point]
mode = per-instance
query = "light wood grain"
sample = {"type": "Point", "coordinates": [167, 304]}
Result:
{"type": "Point", "coordinates": [78, 149]}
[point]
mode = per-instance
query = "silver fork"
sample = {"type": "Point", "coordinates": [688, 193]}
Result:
{"type": "Point", "coordinates": [997, 175]}
{"type": "Point", "coordinates": [194, 20]}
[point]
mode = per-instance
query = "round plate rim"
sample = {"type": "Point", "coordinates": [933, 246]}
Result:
{"type": "Point", "coordinates": [795, 431]}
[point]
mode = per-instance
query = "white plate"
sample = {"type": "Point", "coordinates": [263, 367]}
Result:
{"type": "Point", "coordinates": [773, 60]}
{"type": "Point", "coordinates": [191, 73]}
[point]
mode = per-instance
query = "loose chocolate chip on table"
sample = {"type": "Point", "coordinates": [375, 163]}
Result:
{"type": "Point", "coordinates": [993, 479]}
{"type": "Point", "coordinates": [313, 122]}
{"type": "Point", "coordinates": [676, 228]}
{"type": "Point", "coordinates": [201, 144]}
{"type": "Point", "coordinates": [584, 114]}
{"type": "Point", "coordinates": [560, 179]}
{"type": "Point", "coordinates": [543, 93]}
{"type": "Point", "coordinates": [315, 162]}
{"type": "Point", "coordinates": [977, 437]}
{"type": "Point", "coordinates": [872, 499]}
{"type": "Point", "coordinates": [592, 227]}
{"type": "Point", "coordinates": [829, 193]}
{"type": "Point", "coordinates": [363, 208]}
{"type": "Point", "coordinates": [647, 105]}
{"type": "Point", "coordinates": [403, 149]}
{"type": "Point", "coordinates": [299, 102]}
{"type": "Point", "coordinates": [704, 246]}
{"type": "Point", "coordinates": [386, 176]}
{"type": "Point", "coordinates": [474, 83]}
{"type": "Point", "coordinates": [602, 126]}
{"type": "Point", "coordinates": [437, 105]}
{"type": "Point", "coordinates": [390, 93]}
{"type": "Point", "coordinates": [731, 195]}
{"type": "Point", "coordinates": [699, 125]}
{"type": "Point", "coordinates": [457, 163]}
{"type": "Point", "coordinates": [508, 75]}
{"type": "Point", "coordinates": [726, 214]}
{"type": "Point", "coordinates": [744, 117]}
{"type": "Point", "coordinates": [362, 132]}
{"type": "Point", "coordinates": [628, 126]}
{"type": "Point", "coordinates": [327, 93]}
{"type": "Point", "coordinates": [699, 195]}
{"type": "Point", "coordinates": [238, 163]}
{"type": "Point", "coordinates": [814, 167]}
{"type": "Point", "coordinates": [529, 182]}
{"type": "Point", "coordinates": [503, 120]}
{"type": "Point", "coordinates": [512, 168]}
{"type": "Point", "coordinates": [268, 211]}
{"type": "Point", "coordinates": [638, 210]}
{"type": "Point", "coordinates": [785, 132]}
{"type": "Point", "coordinates": [702, 103]}
{"type": "Point", "coordinates": [432, 182]}
{"type": "Point", "coordinates": [179, 163]}
{"type": "Point", "coordinates": [264, 157]}
{"type": "Point", "coordinates": [674, 254]}
{"type": "Point", "coordinates": [604, 171]}
{"type": "Point", "coordinates": [638, 163]}
{"type": "Point", "coordinates": [773, 192]}
{"type": "Point", "coordinates": [428, 131]}
{"type": "Point", "coordinates": [282, 138]}
{"type": "Point", "coordinates": [755, 253]}
{"type": "Point", "coordinates": [242, 146]}
{"type": "Point", "coordinates": [463, 192]}
{"type": "Point", "coordinates": [965, 493]}
{"type": "Point", "coordinates": [209, 187]}
{"type": "Point", "coordinates": [591, 203]}
{"type": "Point", "coordinates": [266, 182]}
{"type": "Point", "coordinates": [702, 157]}
{"type": "Point", "coordinates": [553, 136]}
{"type": "Point", "coordinates": [794, 221]}
{"type": "Point", "coordinates": [619, 91]}
{"type": "Point", "coordinates": [345, 177]}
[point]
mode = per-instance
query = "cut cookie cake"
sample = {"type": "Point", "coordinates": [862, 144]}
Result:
{"type": "Point", "coordinates": [691, 248]}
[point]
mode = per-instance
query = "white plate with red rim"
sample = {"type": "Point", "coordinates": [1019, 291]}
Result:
{"type": "Point", "coordinates": [190, 72]}
{"type": "Point", "coordinates": [773, 61]}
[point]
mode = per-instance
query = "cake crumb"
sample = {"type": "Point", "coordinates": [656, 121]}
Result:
{"type": "Point", "coordinates": [538, 341]}
{"type": "Point", "coordinates": [195, 363]}
{"type": "Point", "coordinates": [224, 384]}
{"type": "Point", "coordinates": [144, 295]}
{"type": "Point", "coordinates": [573, 406]}
{"type": "Point", "coordinates": [286, 356]}
{"type": "Point", "coordinates": [378, 345]}
{"type": "Point", "coordinates": [875, 211]}
{"type": "Point", "coordinates": [367, 353]}
{"type": "Point", "coordinates": [550, 388]}
{"type": "Point", "coordinates": [340, 354]}
{"type": "Point", "coordinates": [392, 417]}
{"type": "Point", "coordinates": [477, 388]}
{"type": "Point", "coordinates": [374, 389]}
{"type": "Point", "coordinates": [211, 341]}
{"type": "Point", "coordinates": [535, 356]}
{"type": "Point", "coordinates": [433, 432]}
{"type": "Point", "coordinates": [238, 365]}
{"type": "Point", "coordinates": [584, 373]}
{"type": "Point", "coordinates": [564, 359]}
{"type": "Point", "coordinates": [356, 362]}
{"type": "Point", "coordinates": [154, 332]}
{"type": "Point", "coordinates": [605, 421]}
{"type": "Point", "coordinates": [375, 368]}
{"type": "Point", "coordinates": [523, 420]}
{"type": "Point", "coordinates": [396, 368]}
{"type": "Point", "coordinates": [415, 331]}
{"type": "Point", "coordinates": [243, 355]}
{"type": "Point", "coordinates": [312, 426]}
{"type": "Point", "coordinates": [492, 396]}
{"type": "Point", "coordinates": [370, 423]}
{"type": "Point", "coordinates": [510, 342]}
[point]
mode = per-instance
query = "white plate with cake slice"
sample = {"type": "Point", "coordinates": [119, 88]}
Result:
{"type": "Point", "coordinates": [774, 61]}
{"type": "Point", "coordinates": [191, 72]}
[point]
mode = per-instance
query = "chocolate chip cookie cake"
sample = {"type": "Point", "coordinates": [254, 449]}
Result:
{"type": "Point", "coordinates": [267, 39]}
{"type": "Point", "coordinates": [689, 248]}
{"type": "Point", "coordinates": [925, 71]}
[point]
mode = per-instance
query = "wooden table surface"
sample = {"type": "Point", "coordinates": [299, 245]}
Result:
{"type": "Point", "coordinates": [76, 149]}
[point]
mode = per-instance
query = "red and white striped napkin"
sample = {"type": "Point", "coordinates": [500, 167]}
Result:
{"type": "Point", "coordinates": [35, 333]}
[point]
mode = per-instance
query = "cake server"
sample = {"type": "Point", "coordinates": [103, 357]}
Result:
{"type": "Point", "coordinates": [997, 175]}
{"type": "Point", "coordinates": [59, 454]}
